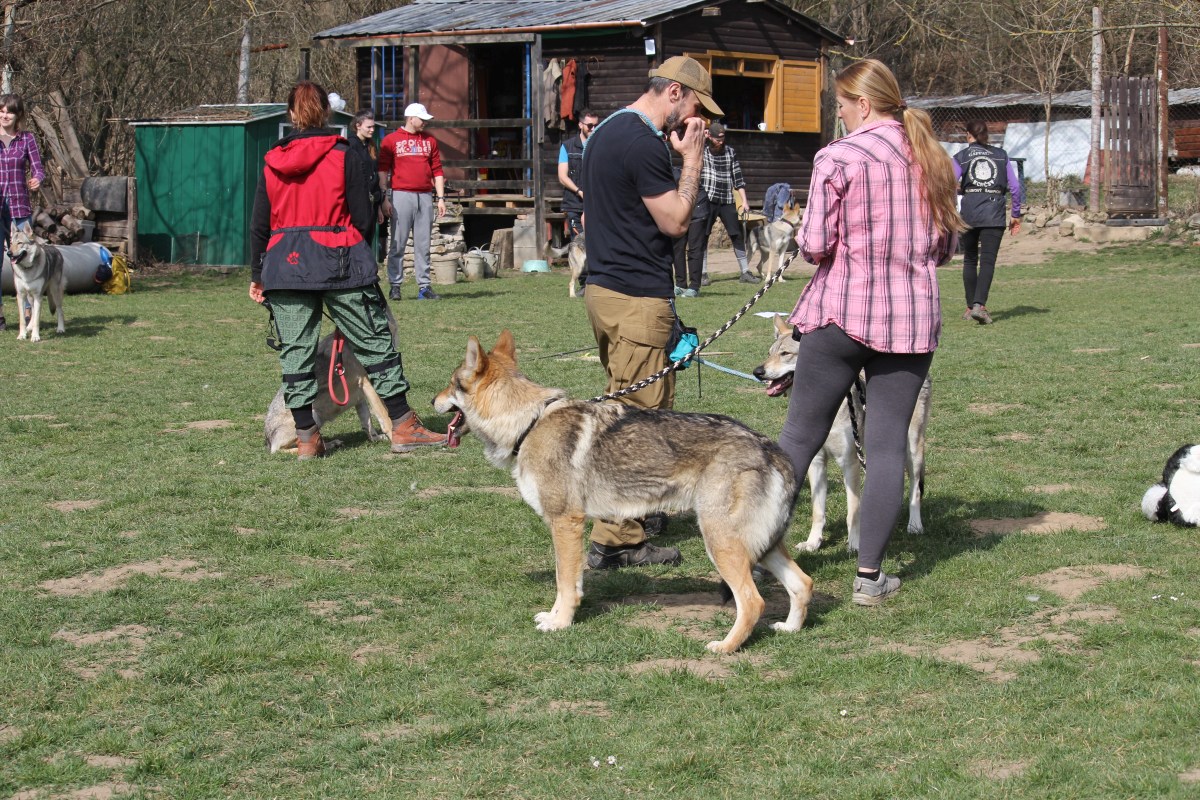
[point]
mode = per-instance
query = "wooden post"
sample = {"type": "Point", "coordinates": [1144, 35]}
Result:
{"type": "Point", "coordinates": [535, 139]}
{"type": "Point", "coordinates": [1095, 158]}
{"type": "Point", "coordinates": [1164, 109]}
{"type": "Point", "coordinates": [131, 216]}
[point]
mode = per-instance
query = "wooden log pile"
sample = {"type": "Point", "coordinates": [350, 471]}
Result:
{"type": "Point", "coordinates": [64, 224]}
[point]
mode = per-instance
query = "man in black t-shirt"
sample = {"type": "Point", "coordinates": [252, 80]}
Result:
{"type": "Point", "coordinates": [633, 210]}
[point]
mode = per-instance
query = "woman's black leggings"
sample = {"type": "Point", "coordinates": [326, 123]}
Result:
{"type": "Point", "coordinates": [826, 367]}
{"type": "Point", "coordinates": [980, 246]}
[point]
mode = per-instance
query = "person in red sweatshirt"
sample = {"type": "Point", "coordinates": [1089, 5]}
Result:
{"type": "Point", "coordinates": [307, 251]}
{"type": "Point", "coordinates": [410, 163]}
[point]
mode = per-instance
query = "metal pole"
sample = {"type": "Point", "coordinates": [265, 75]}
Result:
{"type": "Point", "coordinates": [1097, 51]}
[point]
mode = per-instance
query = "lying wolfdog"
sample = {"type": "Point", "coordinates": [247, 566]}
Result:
{"type": "Point", "coordinates": [777, 373]}
{"type": "Point", "coordinates": [37, 271]}
{"type": "Point", "coordinates": [574, 459]}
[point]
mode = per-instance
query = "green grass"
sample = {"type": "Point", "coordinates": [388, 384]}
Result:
{"type": "Point", "coordinates": [391, 652]}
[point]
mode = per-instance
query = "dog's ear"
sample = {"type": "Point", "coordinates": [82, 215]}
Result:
{"type": "Point", "coordinates": [475, 360]}
{"type": "Point", "coordinates": [781, 326]}
{"type": "Point", "coordinates": [505, 346]}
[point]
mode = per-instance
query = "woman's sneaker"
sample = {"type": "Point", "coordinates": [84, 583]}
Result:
{"type": "Point", "coordinates": [979, 314]}
{"type": "Point", "coordinates": [871, 593]}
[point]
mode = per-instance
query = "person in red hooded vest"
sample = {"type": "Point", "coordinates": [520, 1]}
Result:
{"type": "Point", "coordinates": [307, 252]}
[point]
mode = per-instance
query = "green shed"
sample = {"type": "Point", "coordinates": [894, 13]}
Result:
{"type": "Point", "coordinates": [197, 171]}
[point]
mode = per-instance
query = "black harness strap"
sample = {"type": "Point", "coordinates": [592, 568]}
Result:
{"type": "Point", "coordinates": [536, 420]}
{"type": "Point", "coordinates": [384, 365]}
{"type": "Point", "coordinates": [325, 228]}
{"type": "Point", "coordinates": [292, 378]}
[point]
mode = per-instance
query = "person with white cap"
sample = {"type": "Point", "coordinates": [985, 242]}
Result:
{"type": "Point", "coordinates": [633, 210]}
{"type": "Point", "coordinates": [411, 165]}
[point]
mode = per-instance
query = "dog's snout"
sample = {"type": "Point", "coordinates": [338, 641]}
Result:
{"type": "Point", "coordinates": [760, 373]}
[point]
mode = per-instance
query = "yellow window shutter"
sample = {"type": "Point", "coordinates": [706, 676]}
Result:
{"type": "Point", "coordinates": [795, 101]}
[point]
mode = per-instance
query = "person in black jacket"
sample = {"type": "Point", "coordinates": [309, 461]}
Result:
{"type": "Point", "coordinates": [307, 253]}
{"type": "Point", "coordinates": [985, 175]}
{"type": "Point", "coordinates": [362, 145]}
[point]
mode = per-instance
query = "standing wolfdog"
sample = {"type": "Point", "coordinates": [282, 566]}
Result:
{"type": "Point", "coordinates": [37, 271]}
{"type": "Point", "coordinates": [574, 459]}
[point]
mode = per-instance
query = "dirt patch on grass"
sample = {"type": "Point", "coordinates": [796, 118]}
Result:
{"type": "Point", "coordinates": [1045, 522]}
{"type": "Point", "coordinates": [28, 417]}
{"type": "Point", "coordinates": [1015, 436]}
{"type": "Point", "coordinates": [1094, 350]}
{"type": "Point", "coordinates": [116, 577]}
{"type": "Point", "coordinates": [109, 762]}
{"type": "Point", "coordinates": [8, 733]}
{"type": "Point", "coordinates": [355, 513]}
{"type": "Point", "coordinates": [1190, 776]}
{"type": "Point", "coordinates": [997, 655]}
{"type": "Point", "coordinates": [202, 425]}
{"type": "Point", "coordinates": [340, 611]}
{"type": "Point", "coordinates": [991, 409]}
{"type": "Point", "coordinates": [1071, 583]}
{"type": "Point", "coordinates": [998, 771]}
{"type": "Point", "coordinates": [101, 791]}
{"type": "Point", "coordinates": [438, 491]}
{"type": "Point", "coordinates": [67, 506]}
{"type": "Point", "coordinates": [131, 639]}
{"type": "Point", "coordinates": [1050, 488]}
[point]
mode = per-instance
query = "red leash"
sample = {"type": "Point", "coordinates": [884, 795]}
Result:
{"type": "Point", "coordinates": [336, 367]}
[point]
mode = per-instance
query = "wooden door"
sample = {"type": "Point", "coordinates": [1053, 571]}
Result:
{"type": "Point", "coordinates": [1130, 115]}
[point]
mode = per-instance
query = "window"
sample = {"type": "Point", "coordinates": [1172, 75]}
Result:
{"type": "Point", "coordinates": [760, 92]}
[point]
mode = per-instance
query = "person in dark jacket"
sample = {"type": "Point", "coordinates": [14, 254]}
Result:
{"type": "Point", "coordinates": [307, 251]}
{"type": "Point", "coordinates": [362, 145]}
{"type": "Point", "coordinates": [985, 175]}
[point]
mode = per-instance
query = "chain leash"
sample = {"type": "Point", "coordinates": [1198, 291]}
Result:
{"type": "Point", "coordinates": [675, 366]}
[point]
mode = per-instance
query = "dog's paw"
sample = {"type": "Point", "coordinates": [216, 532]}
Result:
{"type": "Point", "coordinates": [810, 546]}
{"type": "Point", "coordinates": [35, 337]}
{"type": "Point", "coordinates": [720, 647]}
{"type": "Point", "coordinates": [916, 527]}
{"type": "Point", "coordinates": [549, 621]}
{"type": "Point", "coordinates": [783, 627]}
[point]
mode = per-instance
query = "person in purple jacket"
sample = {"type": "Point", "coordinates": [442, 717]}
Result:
{"type": "Point", "coordinates": [985, 174]}
{"type": "Point", "coordinates": [19, 156]}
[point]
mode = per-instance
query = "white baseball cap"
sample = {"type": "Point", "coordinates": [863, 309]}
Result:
{"type": "Point", "coordinates": [417, 110]}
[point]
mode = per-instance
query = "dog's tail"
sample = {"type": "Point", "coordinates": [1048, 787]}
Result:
{"type": "Point", "coordinates": [1152, 503]}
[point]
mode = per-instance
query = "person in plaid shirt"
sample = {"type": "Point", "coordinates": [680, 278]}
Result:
{"type": "Point", "coordinates": [881, 217]}
{"type": "Point", "coordinates": [719, 179]}
{"type": "Point", "coordinates": [18, 155]}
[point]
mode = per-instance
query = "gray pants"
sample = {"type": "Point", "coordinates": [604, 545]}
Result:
{"type": "Point", "coordinates": [826, 366]}
{"type": "Point", "coordinates": [412, 212]}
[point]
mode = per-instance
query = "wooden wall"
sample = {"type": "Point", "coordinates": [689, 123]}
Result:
{"type": "Point", "coordinates": [747, 29]}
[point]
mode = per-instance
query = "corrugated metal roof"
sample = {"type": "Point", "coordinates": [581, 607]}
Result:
{"type": "Point", "coordinates": [1079, 99]}
{"type": "Point", "coordinates": [464, 16]}
{"type": "Point", "coordinates": [239, 114]}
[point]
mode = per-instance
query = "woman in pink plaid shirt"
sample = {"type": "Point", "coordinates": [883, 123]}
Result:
{"type": "Point", "coordinates": [18, 152]}
{"type": "Point", "coordinates": [881, 217]}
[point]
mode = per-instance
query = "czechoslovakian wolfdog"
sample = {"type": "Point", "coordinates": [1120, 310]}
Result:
{"type": "Point", "coordinates": [770, 242]}
{"type": "Point", "coordinates": [37, 271]}
{"type": "Point", "coordinates": [777, 372]}
{"type": "Point", "coordinates": [577, 259]}
{"type": "Point", "coordinates": [280, 428]}
{"type": "Point", "coordinates": [574, 459]}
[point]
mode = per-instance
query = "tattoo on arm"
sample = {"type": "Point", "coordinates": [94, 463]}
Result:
{"type": "Point", "coordinates": [689, 184]}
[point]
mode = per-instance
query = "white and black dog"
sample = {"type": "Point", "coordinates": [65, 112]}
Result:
{"type": "Point", "coordinates": [1176, 498]}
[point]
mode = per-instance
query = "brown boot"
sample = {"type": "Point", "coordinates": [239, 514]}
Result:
{"type": "Point", "coordinates": [309, 444]}
{"type": "Point", "coordinates": [408, 434]}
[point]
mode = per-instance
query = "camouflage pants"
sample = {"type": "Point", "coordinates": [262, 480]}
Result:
{"type": "Point", "coordinates": [359, 314]}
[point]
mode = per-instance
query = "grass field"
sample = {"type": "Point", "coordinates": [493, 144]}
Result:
{"type": "Point", "coordinates": [186, 616]}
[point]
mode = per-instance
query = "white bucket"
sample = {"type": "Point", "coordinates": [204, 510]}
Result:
{"type": "Point", "coordinates": [443, 272]}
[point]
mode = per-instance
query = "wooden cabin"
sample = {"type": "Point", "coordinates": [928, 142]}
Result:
{"type": "Point", "coordinates": [480, 66]}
